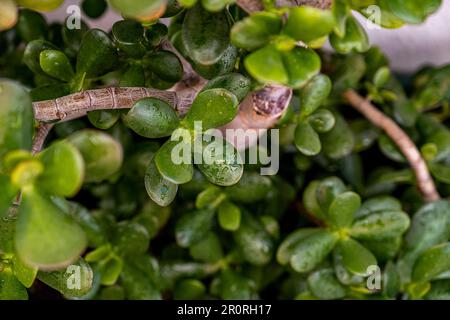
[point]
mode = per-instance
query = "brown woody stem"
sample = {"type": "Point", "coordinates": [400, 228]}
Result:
{"type": "Point", "coordinates": [41, 134]}
{"type": "Point", "coordinates": [424, 181]}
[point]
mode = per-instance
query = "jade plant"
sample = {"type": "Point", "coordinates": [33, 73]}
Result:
{"type": "Point", "coordinates": [94, 204]}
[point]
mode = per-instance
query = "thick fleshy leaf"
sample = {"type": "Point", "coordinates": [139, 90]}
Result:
{"type": "Point", "coordinates": [73, 281]}
{"type": "Point", "coordinates": [138, 279]}
{"type": "Point", "coordinates": [355, 38]}
{"type": "Point", "coordinates": [327, 190]}
{"type": "Point", "coordinates": [211, 197]}
{"type": "Point", "coordinates": [16, 117]}
{"type": "Point", "coordinates": [355, 257]}
{"type": "Point", "coordinates": [205, 35]}
{"type": "Point", "coordinates": [234, 286]}
{"type": "Point", "coordinates": [207, 249]}
{"type": "Point", "coordinates": [307, 140]}
{"type": "Point", "coordinates": [441, 172]}
{"type": "Point", "coordinates": [41, 5]}
{"type": "Point", "coordinates": [130, 238]}
{"type": "Point", "coordinates": [225, 65]}
{"type": "Point", "coordinates": [432, 262]}
{"type": "Point", "coordinates": [213, 107]}
{"type": "Point", "coordinates": [253, 241]}
{"type": "Point", "coordinates": [341, 11]}
{"type": "Point", "coordinates": [7, 230]}
{"type": "Point", "coordinates": [310, 200]}
{"type": "Point", "coordinates": [252, 187]}
{"type": "Point", "coordinates": [102, 154]}
{"type": "Point", "coordinates": [32, 25]}
{"type": "Point", "coordinates": [189, 289]}
{"type": "Point", "coordinates": [72, 38]}
{"type": "Point", "coordinates": [236, 83]}
{"type": "Point", "coordinates": [413, 12]}
{"type": "Point", "coordinates": [219, 161]}
{"type": "Point", "coordinates": [134, 76]}
{"type": "Point", "coordinates": [94, 8]}
{"type": "Point", "coordinates": [387, 18]}
{"type": "Point", "coordinates": [380, 225]}
{"type": "Point", "coordinates": [312, 250]}
{"type": "Point", "coordinates": [144, 10]}
{"type": "Point", "coordinates": [166, 161]}
{"type": "Point", "coordinates": [288, 246]}
{"type": "Point", "coordinates": [103, 119]}
{"type": "Point", "coordinates": [256, 30]}
{"type": "Point", "coordinates": [193, 227]}
{"type": "Point", "coordinates": [314, 94]}
{"type": "Point", "coordinates": [322, 120]}
{"type": "Point", "coordinates": [63, 169]}
{"type": "Point", "coordinates": [166, 65]}
{"type": "Point", "coordinates": [31, 55]}
{"type": "Point", "coordinates": [7, 193]}
{"type": "Point", "coordinates": [24, 273]}
{"type": "Point", "coordinates": [97, 55]}
{"type": "Point", "coordinates": [380, 203]}
{"type": "Point", "coordinates": [152, 118]}
{"type": "Point", "coordinates": [128, 36]}
{"type": "Point", "coordinates": [229, 216]}
{"type": "Point", "coordinates": [45, 236]}
{"type": "Point", "coordinates": [160, 190]}
{"type": "Point", "coordinates": [343, 208]}
{"type": "Point", "coordinates": [8, 14]}
{"type": "Point", "coordinates": [56, 64]}
{"type": "Point", "coordinates": [339, 141]}
{"type": "Point", "coordinates": [306, 23]}
{"type": "Point", "coordinates": [324, 285]}
{"type": "Point", "coordinates": [11, 288]}
{"type": "Point", "coordinates": [110, 270]}
{"type": "Point", "coordinates": [385, 249]}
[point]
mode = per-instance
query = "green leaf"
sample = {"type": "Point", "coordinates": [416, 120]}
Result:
{"type": "Point", "coordinates": [385, 249]}
{"type": "Point", "coordinates": [56, 64]}
{"type": "Point", "coordinates": [314, 94]}
{"type": "Point", "coordinates": [205, 35]}
{"type": "Point", "coordinates": [301, 64]}
{"type": "Point", "coordinates": [324, 285]}
{"type": "Point", "coordinates": [189, 289]}
{"type": "Point", "coordinates": [7, 193]}
{"type": "Point", "coordinates": [31, 26]}
{"type": "Point", "coordinates": [97, 55]}
{"type": "Point", "coordinates": [128, 35]}
{"type": "Point", "coordinates": [193, 226]}
{"type": "Point", "coordinates": [225, 65]}
{"type": "Point", "coordinates": [45, 236]}
{"type": "Point", "coordinates": [355, 38]}
{"type": "Point", "coordinates": [23, 273]}
{"type": "Point", "coordinates": [355, 257]}
{"type": "Point", "coordinates": [266, 65]}
{"type": "Point", "coordinates": [431, 263]}
{"type": "Point", "coordinates": [307, 140]}
{"type": "Point", "coordinates": [287, 248]}
{"type": "Point", "coordinates": [380, 225]}
{"type": "Point", "coordinates": [11, 288]}
{"type": "Point", "coordinates": [219, 161]}
{"type": "Point", "coordinates": [381, 77]}
{"type": "Point", "coordinates": [7, 230]}
{"type": "Point", "coordinates": [251, 188]}
{"type": "Point", "coordinates": [16, 117]}
{"type": "Point", "coordinates": [327, 190]}
{"type": "Point", "coordinates": [208, 249]}
{"type": "Point", "coordinates": [137, 285]}
{"type": "Point", "coordinates": [213, 107]}
{"type": "Point", "coordinates": [49, 92]}
{"type": "Point", "coordinates": [413, 12]}
{"type": "Point", "coordinates": [441, 172]}
{"type": "Point", "coordinates": [310, 200]}
{"type": "Point", "coordinates": [43, 5]}
{"type": "Point", "coordinates": [322, 120]}
{"type": "Point", "coordinates": [234, 286]}
{"type": "Point", "coordinates": [160, 190]}
{"type": "Point", "coordinates": [143, 10]}
{"type": "Point", "coordinates": [134, 76]}
{"type": "Point", "coordinates": [380, 203]}
{"type": "Point", "coordinates": [339, 141]}
{"type": "Point", "coordinates": [211, 197]}
{"type": "Point", "coordinates": [312, 250]}
{"type": "Point", "coordinates": [152, 118]}
{"type": "Point", "coordinates": [130, 238]}
{"type": "Point", "coordinates": [387, 17]}
{"type": "Point", "coordinates": [31, 55]}
{"type": "Point", "coordinates": [253, 241]}
{"type": "Point", "coordinates": [72, 37]}
{"type": "Point", "coordinates": [102, 154]}
{"type": "Point", "coordinates": [306, 23]}
{"type": "Point", "coordinates": [73, 281]}
{"type": "Point", "coordinates": [341, 11]}
{"type": "Point", "coordinates": [440, 290]}
{"type": "Point", "coordinates": [235, 83]}
{"type": "Point", "coordinates": [342, 209]}
{"type": "Point", "coordinates": [103, 119]}
{"type": "Point", "coordinates": [166, 65]}
{"type": "Point", "coordinates": [110, 270]}
{"type": "Point", "coordinates": [94, 8]}
{"type": "Point", "coordinates": [256, 30]}
{"type": "Point", "coordinates": [229, 216]}
{"type": "Point", "coordinates": [63, 169]}
{"type": "Point", "coordinates": [166, 162]}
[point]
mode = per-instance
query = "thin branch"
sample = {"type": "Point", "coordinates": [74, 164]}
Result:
{"type": "Point", "coordinates": [41, 134]}
{"type": "Point", "coordinates": [424, 181]}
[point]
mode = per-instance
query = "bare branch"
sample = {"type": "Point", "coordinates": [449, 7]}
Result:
{"type": "Point", "coordinates": [40, 135]}
{"type": "Point", "coordinates": [424, 181]}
